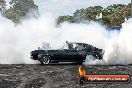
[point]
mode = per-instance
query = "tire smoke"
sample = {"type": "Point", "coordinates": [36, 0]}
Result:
{"type": "Point", "coordinates": [17, 41]}
{"type": "Point", "coordinates": [117, 47]}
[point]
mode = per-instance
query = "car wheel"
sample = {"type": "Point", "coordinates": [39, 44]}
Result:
{"type": "Point", "coordinates": [45, 60]}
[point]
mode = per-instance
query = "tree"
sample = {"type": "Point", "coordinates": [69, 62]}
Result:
{"type": "Point", "coordinates": [2, 6]}
{"type": "Point", "coordinates": [20, 8]}
{"type": "Point", "coordinates": [88, 13]}
{"type": "Point", "coordinates": [82, 15]}
{"type": "Point", "coordinates": [115, 14]}
{"type": "Point", "coordinates": [62, 19]}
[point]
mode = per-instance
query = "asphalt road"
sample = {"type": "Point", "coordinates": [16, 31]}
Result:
{"type": "Point", "coordinates": [56, 76]}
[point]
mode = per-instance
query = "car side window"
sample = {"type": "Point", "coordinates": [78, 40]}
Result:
{"type": "Point", "coordinates": [80, 47]}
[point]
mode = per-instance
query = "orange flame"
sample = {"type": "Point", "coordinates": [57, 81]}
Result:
{"type": "Point", "coordinates": [81, 71]}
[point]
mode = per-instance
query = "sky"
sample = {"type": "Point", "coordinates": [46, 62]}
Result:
{"type": "Point", "coordinates": [68, 7]}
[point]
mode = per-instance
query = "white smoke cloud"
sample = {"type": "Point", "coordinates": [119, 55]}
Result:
{"type": "Point", "coordinates": [16, 42]}
{"type": "Point", "coordinates": [117, 47]}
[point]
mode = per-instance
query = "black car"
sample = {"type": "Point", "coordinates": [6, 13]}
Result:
{"type": "Point", "coordinates": [71, 52]}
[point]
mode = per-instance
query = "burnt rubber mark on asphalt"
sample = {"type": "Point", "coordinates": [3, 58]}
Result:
{"type": "Point", "coordinates": [8, 83]}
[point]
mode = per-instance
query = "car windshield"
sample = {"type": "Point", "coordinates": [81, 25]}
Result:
{"type": "Point", "coordinates": [79, 47]}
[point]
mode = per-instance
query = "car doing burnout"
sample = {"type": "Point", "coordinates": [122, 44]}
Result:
{"type": "Point", "coordinates": [71, 52]}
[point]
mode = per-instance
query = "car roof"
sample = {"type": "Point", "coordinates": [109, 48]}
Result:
{"type": "Point", "coordinates": [80, 43]}
{"type": "Point", "coordinates": [77, 43]}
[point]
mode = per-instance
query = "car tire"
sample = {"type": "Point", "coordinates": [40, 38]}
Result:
{"type": "Point", "coordinates": [45, 60]}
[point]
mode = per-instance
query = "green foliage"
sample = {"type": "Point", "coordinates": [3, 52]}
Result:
{"type": "Point", "coordinates": [19, 9]}
{"type": "Point", "coordinates": [82, 14]}
{"type": "Point", "coordinates": [2, 6]}
{"type": "Point", "coordinates": [112, 9]}
{"type": "Point", "coordinates": [115, 14]}
{"type": "Point", "coordinates": [112, 15]}
{"type": "Point", "coordinates": [62, 19]}
{"type": "Point", "coordinates": [88, 13]}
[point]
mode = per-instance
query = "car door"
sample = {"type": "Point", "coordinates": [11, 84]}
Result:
{"type": "Point", "coordinates": [71, 55]}
{"type": "Point", "coordinates": [82, 52]}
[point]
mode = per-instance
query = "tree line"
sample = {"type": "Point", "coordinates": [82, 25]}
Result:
{"type": "Point", "coordinates": [113, 15]}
